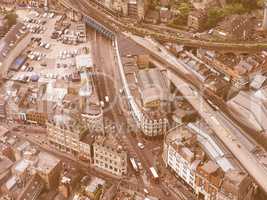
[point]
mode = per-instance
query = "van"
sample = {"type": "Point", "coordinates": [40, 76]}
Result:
{"type": "Point", "coordinates": [140, 145]}
{"type": "Point", "coordinates": [47, 46]}
{"type": "Point", "coordinates": [102, 104]}
{"type": "Point", "coordinates": [107, 99]}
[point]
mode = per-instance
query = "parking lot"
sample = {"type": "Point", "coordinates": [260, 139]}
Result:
{"type": "Point", "coordinates": [48, 58]}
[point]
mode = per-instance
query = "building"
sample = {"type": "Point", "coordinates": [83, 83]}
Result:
{"type": "Point", "coordinates": [152, 96]}
{"type": "Point", "coordinates": [91, 110]}
{"type": "Point", "coordinates": [2, 107]}
{"type": "Point", "coordinates": [182, 154]}
{"type": "Point", "coordinates": [148, 96]}
{"type": "Point", "coordinates": [152, 17]}
{"type": "Point", "coordinates": [48, 168]}
{"type": "Point", "coordinates": [68, 134]}
{"type": "Point", "coordinates": [236, 185]}
{"type": "Point", "coordinates": [93, 118]}
{"type": "Point", "coordinates": [37, 117]}
{"type": "Point", "coordinates": [137, 9]}
{"type": "Point", "coordinates": [197, 19]}
{"type": "Point", "coordinates": [251, 108]}
{"type": "Point", "coordinates": [240, 73]}
{"type": "Point", "coordinates": [196, 157]}
{"type": "Point", "coordinates": [236, 27]}
{"type": "Point", "coordinates": [152, 88]}
{"type": "Point", "coordinates": [33, 189]}
{"type": "Point", "coordinates": [165, 15]}
{"type": "Point", "coordinates": [6, 197]}
{"type": "Point", "coordinates": [33, 3]}
{"type": "Point", "coordinates": [7, 2]}
{"type": "Point", "coordinates": [5, 169]}
{"type": "Point", "coordinates": [208, 180]}
{"type": "Point", "coordinates": [108, 155]}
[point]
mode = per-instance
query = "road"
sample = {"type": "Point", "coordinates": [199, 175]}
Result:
{"type": "Point", "coordinates": [109, 85]}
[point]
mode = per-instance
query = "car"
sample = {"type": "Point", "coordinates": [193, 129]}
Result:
{"type": "Point", "coordinates": [43, 64]}
{"type": "Point", "coordinates": [47, 46]}
{"type": "Point", "coordinates": [102, 104]}
{"type": "Point", "coordinates": [106, 99]}
{"type": "Point", "coordinates": [23, 68]}
{"type": "Point", "coordinates": [166, 192]}
{"type": "Point", "coordinates": [140, 145]}
{"type": "Point", "coordinates": [140, 165]}
{"type": "Point", "coordinates": [146, 191]}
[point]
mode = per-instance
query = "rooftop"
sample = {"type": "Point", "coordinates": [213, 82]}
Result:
{"type": "Point", "coordinates": [5, 164]}
{"type": "Point", "coordinates": [153, 85]}
{"type": "Point", "coordinates": [46, 162]}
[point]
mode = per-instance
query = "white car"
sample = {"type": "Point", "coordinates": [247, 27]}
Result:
{"type": "Point", "coordinates": [146, 191]}
{"type": "Point", "coordinates": [23, 68]}
{"type": "Point", "coordinates": [140, 145]}
{"type": "Point", "coordinates": [102, 104]}
{"type": "Point", "coordinates": [47, 46]}
{"type": "Point", "coordinates": [107, 99]}
{"type": "Point", "coordinates": [140, 165]}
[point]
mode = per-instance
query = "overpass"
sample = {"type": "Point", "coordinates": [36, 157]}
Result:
{"type": "Point", "coordinates": [89, 21]}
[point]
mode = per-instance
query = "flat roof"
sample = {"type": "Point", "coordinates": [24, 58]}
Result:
{"type": "Point", "coordinates": [84, 61]}
{"type": "Point", "coordinates": [47, 162]}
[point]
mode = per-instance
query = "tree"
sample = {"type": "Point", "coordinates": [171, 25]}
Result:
{"type": "Point", "coordinates": [260, 3]}
{"type": "Point", "coordinates": [214, 16]}
{"type": "Point", "coordinates": [184, 7]}
{"type": "Point", "coordinates": [11, 18]}
{"type": "Point", "coordinates": [236, 8]}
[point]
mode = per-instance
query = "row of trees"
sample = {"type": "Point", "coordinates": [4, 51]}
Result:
{"type": "Point", "coordinates": [11, 18]}
{"type": "Point", "coordinates": [184, 7]}
{"type": "Point", "coordinates": [216, 14]}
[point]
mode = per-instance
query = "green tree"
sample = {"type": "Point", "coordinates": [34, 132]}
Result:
{"type": "Point", "coordinates": [11, 18]}
{"type": "Point", "coordinates": [214, 16]}
{"type": "Point", "coordinates": [260, 3]}
{"type": "Point", "coordinates": [236, 8]}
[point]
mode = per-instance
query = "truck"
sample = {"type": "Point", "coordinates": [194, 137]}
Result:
{"type": "Point", "coordinates": [134, 165]}
{"type": "Point", "coordinates": [102, 104]}
{"type": "Point", "coordinates": [154, 174]}
{"type": "Point", "coordinates": [107, 99]}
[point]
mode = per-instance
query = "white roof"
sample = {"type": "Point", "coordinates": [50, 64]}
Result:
{"type": "Point", "coordinates": [11, 183]}
{"type": "Point", "coordinates": [212, 148]}
{"type": "Point", "coordinates": [55, 94]}
{"type": "Point", "coordinates": [258, 81]}
{"type": "Point", "coordinates": [86, 86]}
{"type": "Point", "coordinates": [84, 60]}
{"type": "Point", "coordinates": [153, 171]}
{"type": "Point", "coordinates": [47, 162]}
{"type": "Point", "coordinates": [22, 166]}
{"type": "Point", "coordinates": [94, 184]}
